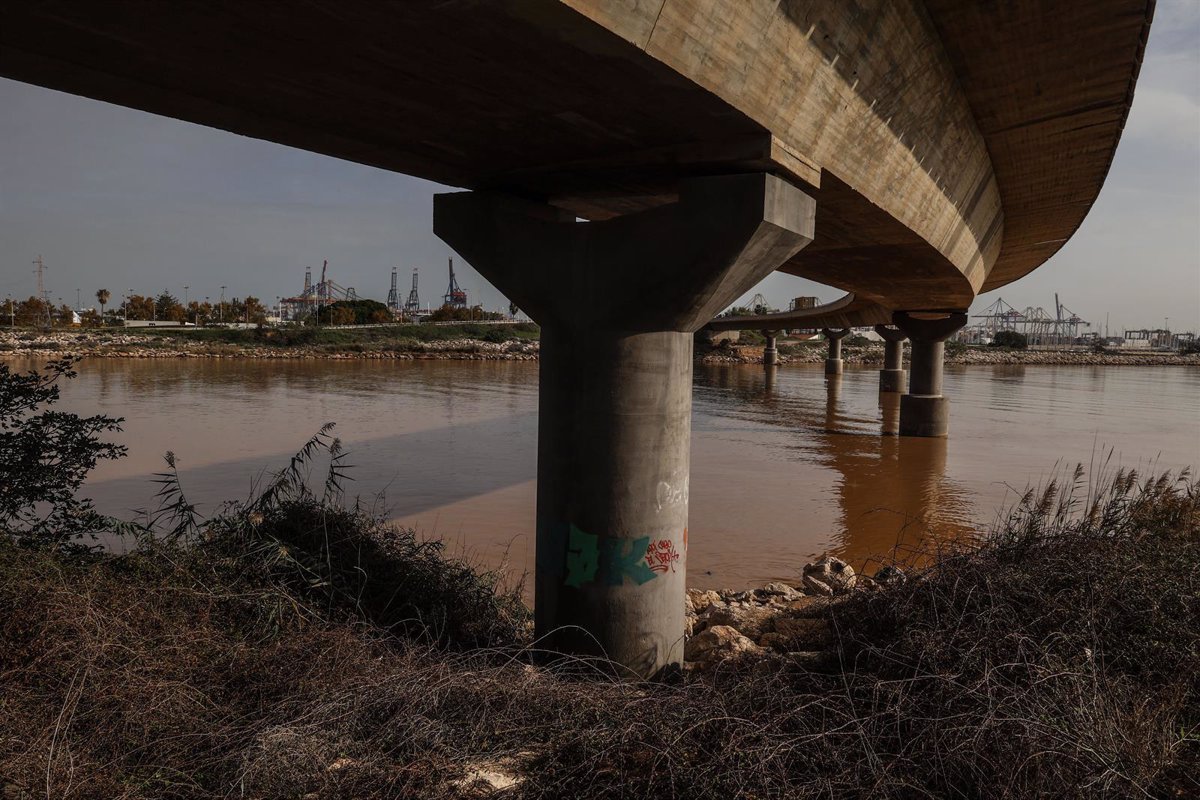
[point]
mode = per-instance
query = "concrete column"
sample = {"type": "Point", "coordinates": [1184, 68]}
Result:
{"type": "Point", "coordinates": [770, 353]}
{"type": "Point", "coordinates": [615, 393]}
{"type": "Point", "coordinates": [923, 411]}
{"type": "Point", "coordinates": [833, 363]}
{"type": "Point", "coordinates": [891, 377]}
{"type": "Point", "coordinates": [833, 390]}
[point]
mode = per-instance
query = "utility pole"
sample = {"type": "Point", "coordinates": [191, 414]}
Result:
{"type": "Point", "coordinates": [221, 311]}
{"type": "Point", "coordinates": [41, 287]}
{"type": "Point", "coordinates": [185, 297]}
{"type": "Point", "coordinates": [77, 301]}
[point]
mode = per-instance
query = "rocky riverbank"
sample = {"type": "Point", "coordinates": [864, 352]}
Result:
{"type": "Point", "coordinates": [119, 344]}
{"type": "Point", "coordinates": [870, 355]}
{"type": "Point", "coordinates": [25, 344]}
{"type": "Point", "coordinates": [779, 622]}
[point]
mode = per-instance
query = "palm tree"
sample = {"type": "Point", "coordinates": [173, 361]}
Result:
{"type": "Point", "coordinates": [102, 295]}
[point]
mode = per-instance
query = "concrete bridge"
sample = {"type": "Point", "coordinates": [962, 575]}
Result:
{"type": "Point", "coordinates": [910, 152]}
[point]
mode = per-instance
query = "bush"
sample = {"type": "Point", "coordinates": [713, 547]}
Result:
{"type": "Point", "coordinates": [45, 456]}
{"type": "Point", "coordinates": [1010, 339]}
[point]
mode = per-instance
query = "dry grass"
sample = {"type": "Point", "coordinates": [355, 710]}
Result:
{"type": "Point", "coordinates": [1059, 660]}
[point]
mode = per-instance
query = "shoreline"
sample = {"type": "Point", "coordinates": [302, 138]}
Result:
{"type": "Point", "coordinates": [26, 344]}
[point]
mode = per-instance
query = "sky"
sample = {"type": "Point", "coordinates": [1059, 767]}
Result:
{"type": "Point", "coordinates": [120, 199]}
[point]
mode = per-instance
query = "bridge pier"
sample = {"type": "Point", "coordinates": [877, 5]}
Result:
{"type": "Point", "coordinates": [833, 362]}
{"type": "Point", "coordinates": [924, 411]}
{"type": "Point", "coordinates": [616, 386]}
{"type": "Point", "coordinates": [892, 376]}
{"type": "Point", "coordinates": [770, 352]}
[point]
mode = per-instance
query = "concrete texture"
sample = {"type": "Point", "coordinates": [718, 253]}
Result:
{"type": "Point", "coordinates": [924, 411]}
{"type": "Point", "coordinates": [770, 352]}
{"type": "Point", "coordinates": [833, 362]}
{"type": "Point", "coordinates": [892, 378]}
{"type": "Point", "coordinates": [615, 393]}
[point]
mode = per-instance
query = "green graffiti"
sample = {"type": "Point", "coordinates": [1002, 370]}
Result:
{"type": "Point", "coordinates": [582, 557]}
{"type": "Point", "coordinates": [630, 564]}
{"type": "Point", "coordinates": [617, 559]}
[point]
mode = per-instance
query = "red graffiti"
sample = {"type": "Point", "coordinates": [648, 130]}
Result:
{"type": "Point", "coordinates": [661, 555]}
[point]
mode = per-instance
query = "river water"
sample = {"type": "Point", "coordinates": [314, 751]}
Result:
{"type": "Point", "coordinates": [784, 468]}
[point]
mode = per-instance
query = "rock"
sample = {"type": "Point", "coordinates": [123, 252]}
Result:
{"type": "Point", "coordinates": [781, 590]}
{"type": "Point", "coordinates": [774, 641]}
{"type": "Point", "coordinates": [717, 642]}
{"type": "Point", "coordinates": [829, 575]}
{"type": "Point", "coordinates": [805, 603]}
{"type": "Point", "coordinates": [814, 586]}
{"type": "Point", "coordinates": [890, 576]}
{"type": "Point", "coordinates": [699, 600]}
{"type": "Point", "coordinates": [753, 621]}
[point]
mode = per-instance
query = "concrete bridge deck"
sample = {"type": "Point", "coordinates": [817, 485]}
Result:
{"type": "Point", "coordinates": [951, 146]}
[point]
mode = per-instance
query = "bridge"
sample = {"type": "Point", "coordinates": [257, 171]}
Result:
{"type": "Point", "coordinates": [910, 152]}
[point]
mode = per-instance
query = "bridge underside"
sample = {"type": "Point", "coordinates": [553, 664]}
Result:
{"type": "Point", "coordinates": [603, 114]}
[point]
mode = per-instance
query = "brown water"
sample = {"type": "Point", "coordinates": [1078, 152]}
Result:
{"type": "Point", "coordinates": [782, 470]}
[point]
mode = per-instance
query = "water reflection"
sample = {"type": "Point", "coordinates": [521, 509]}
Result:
{"type": "Point", "coordinates": [892, 492]}
{"type": "Point", "coordinates": [786, 463]}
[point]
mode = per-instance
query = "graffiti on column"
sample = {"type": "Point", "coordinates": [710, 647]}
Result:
{"type": "Point", "coordinates": [662, 556]}
{"type": "Point", "coordinates": [616, 559]}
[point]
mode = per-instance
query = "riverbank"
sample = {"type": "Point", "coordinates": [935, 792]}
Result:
{"type": "Point", "coordinates": [408, 343]}
{"type": "Point", "coordinates": [293, 649]}
{"type": "Point", "coordinates": [399, 343]}
{"type": "Point", "coordinates": [872, 355]}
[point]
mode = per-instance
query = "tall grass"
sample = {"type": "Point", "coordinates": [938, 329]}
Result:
{"type": "Point", "coordinates": [257, 657]}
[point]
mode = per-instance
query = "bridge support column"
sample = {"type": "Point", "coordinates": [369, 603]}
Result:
{"type": "Point", "coordinates": [616, 385]}
{"type": "Point", "coordinates": [892, 376]}
{"type": "Point", "coordinates": [924, 411]}
{"type": "Point", "coordinates": [770, 352]}
{"type": "Point", "coordinates": [833, 363]}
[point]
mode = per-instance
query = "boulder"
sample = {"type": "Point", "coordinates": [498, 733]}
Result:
{"type": "Point", "coordinates": [718, 642]}
{"type": "Point", "coordinates": [829, 575]}
{"type": "Point", "coordinates": [698, 600]}
{"type": "Point", "coordinates": [781, 590]}
{"type": "Point", "coordinates": [753, 621]}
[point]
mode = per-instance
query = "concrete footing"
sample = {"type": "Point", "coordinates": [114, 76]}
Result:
{"type": "Point", "coordinates": [924, 415]}
{"type": "Point", "coordinates": [615, 395]}
{"type": "Point", "coordinates": [833, 366]}
{"type": "Point", "coordinates": [770, 352]}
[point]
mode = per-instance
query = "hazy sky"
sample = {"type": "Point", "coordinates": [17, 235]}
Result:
{"type": "Point", "coordinates": [125, 200]}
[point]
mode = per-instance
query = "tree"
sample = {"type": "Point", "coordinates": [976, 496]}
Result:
{"type": "Point", "coordinates": [102, 296]}
{"type": "Point", "coordinates": [1010, 339]}
{"type": "Point", "coordinates": [167, 307]}
{"type": "Point", "coordinates": [44, 459]}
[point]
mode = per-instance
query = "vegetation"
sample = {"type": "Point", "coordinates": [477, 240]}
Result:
{"type": "Point", "coordinates": [45, 456]}
{"type": "Point", "coordinates": [296, 646]}
{"type": "Point", "coordinates": [448, 313]}
{"type": "Point", "coordinates": [1013, 340]}
{"type": "Point", "coordinates": [398, 337]}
